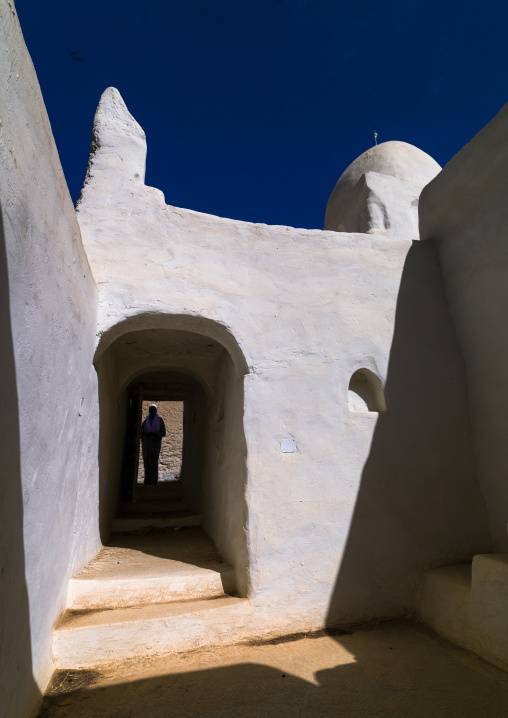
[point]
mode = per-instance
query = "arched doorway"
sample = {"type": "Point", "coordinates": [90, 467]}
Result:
{"type": "Point", "coordinates": [198, 362]}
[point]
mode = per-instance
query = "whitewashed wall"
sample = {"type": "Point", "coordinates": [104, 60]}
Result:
{"type": "Point", "coordinates": [48, 402]}
{"type": "Point", "coordinates": [464, 211]}
{"type": "Point", "coordinates": [342, 529]}
{"type": "Point", "coordinates": [339, 531]}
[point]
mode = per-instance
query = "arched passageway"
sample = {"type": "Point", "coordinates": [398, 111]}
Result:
{"type": "Point", "coordinates": [189, 360]}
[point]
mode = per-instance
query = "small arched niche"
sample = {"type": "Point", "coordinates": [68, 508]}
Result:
{"type": "Point", "coordinates": [365, 392]}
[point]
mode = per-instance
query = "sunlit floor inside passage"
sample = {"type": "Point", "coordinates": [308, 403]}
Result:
{"type": "Point", "coordinates": [397, 669]}
{"type": "Point", "coordinates": [151, 568]}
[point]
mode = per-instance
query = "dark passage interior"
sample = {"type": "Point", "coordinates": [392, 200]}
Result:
{"type": "Point", "coordinates": [182, 404]}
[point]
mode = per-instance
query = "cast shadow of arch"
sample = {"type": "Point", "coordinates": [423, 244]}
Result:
{"type": "Point", "coordinates": [18, 690]}
{"type": "Point", "coordinates": [418, 504]}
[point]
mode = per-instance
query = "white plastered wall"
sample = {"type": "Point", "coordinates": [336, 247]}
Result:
{"type": "Point", "coordinates": [223, 506]}
{"type": "Point", "coordinates": [465, 213]}
{"type": "Point", "coordinates": [48, 487]}
{"type": "Point", "coordinates": [342, 529]}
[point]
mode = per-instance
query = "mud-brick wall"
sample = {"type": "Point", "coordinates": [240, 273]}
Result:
{"type": "Point", "coordinates": [170, 460]}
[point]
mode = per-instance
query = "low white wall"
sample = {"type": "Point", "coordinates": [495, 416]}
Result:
{"type": "Point", "coordinates": [465, 212]}
{"type": "Point", "coordinates": [342, 529]}
{"type": "Point", "coordinates": [49, 414]}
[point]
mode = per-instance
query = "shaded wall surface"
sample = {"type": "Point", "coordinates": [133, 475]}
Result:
{"type": "Point", "coordinates": [48, 487]}
{"type": "Point", "coordinates": [15, 635]}
{"type": "Point", "coordinates": [418, 503]}
{"type": "Point", "coordinates": [465, 212]}
{"type": "Point", "coordinates": [223, 507]}
{"type": "Point", "coordinates": [112, 427]}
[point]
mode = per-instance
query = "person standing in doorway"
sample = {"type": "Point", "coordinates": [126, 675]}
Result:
{"type": "Point", "coordinates": [152, 431]}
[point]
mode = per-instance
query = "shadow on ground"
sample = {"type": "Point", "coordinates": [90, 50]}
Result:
{"type": "Point", "coordinates": [396, 670]}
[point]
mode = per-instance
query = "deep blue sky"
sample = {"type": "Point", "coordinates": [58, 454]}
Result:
{"type": "Point", "coordinates": [253, 108]}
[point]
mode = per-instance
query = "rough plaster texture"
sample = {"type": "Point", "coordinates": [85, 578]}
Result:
{"type": "Point", "coordinates": [378, 193]}
{"type": "Point", "coordinates": [342, 529]}
{"type": "Point", "coordinates": [48, 490]}
{"type": "Point", "coordinates": [465, 212]}
{"type": "Point", "coordinates": [223, 506]}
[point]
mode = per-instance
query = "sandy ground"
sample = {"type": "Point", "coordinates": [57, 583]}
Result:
{"type": "Point", "coordinates": [395, 670]}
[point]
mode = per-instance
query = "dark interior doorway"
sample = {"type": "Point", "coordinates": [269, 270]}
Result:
{"type": "Point", "coordinates": [198, 362]}
{"type": "Point", "coordinates": [170, 459]}
{"type": "Point", "coordinates": [181, 402]}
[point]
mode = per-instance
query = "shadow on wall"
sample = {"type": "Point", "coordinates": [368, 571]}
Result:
{"type": "Point", "coordinates": [418, 504]}
{"type": "Point", "coordinates": [18, 690]}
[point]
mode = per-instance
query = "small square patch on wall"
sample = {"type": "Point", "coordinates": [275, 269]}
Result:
{"type": "Point", "coordinates": [288, 446]}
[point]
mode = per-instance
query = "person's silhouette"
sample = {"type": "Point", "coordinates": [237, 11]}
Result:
{"type": "Point", "coordinates": [152, 431]}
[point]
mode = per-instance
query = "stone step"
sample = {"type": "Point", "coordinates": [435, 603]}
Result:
{"type": "Point", "coordinates": [93, 638]}
{"type": "Point", "coordinates": [172, 519]}
{"type": "Point", "coordinates": [153, 507]}
{"type": "Point", "coordinates": [489, 574]}
{"type": "Point", "coordinates": [155, 568]}
{"type": "Point", "coordinates": [467, 605]}
{"type": "Point", "coordinates": [444, 591]}
{"type": "Point", "coordinates": [160, 492]}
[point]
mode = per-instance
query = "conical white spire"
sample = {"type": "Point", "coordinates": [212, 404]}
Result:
{"type": "Point", "coordinates": [118, 148]}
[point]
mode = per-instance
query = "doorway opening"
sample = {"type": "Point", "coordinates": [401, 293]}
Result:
{"type": "Point", "coordinates": [182, 404]}
{"type": "Point", "coordinates": [193, 369]}
{"type": "Point", "coordinates": [170, 458]}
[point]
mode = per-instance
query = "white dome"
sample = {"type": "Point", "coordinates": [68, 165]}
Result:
{"type": "Point", "coordinates": [395, 159]}
{"type": "Point", "coordinates": [378, 193]}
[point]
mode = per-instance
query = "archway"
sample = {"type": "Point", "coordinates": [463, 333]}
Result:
{"type": "Point", "coordinates": [198, 362]}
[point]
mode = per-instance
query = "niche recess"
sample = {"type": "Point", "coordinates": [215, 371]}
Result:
{"type": "Point", "coordinates": [366, 392]}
